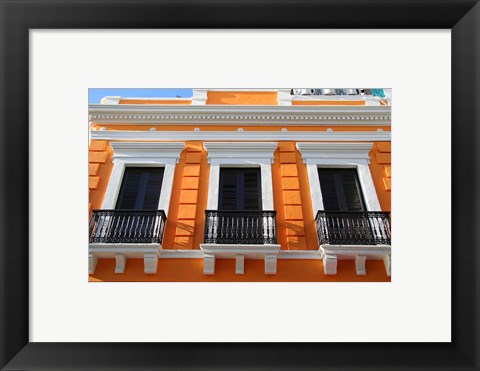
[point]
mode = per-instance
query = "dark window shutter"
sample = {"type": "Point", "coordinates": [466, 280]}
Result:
{"type": "Point", "coordinates": [251, 189]}
{"type": "Point", "coordinates": [351, 188]}
{"type": "Point", "coordinates": [329, 191]}
{"type": "Point", "coordinates": [228, 189]}
{"type": "Point", "coordinates": [341, 190]}
{"type": "Point", "coordinates": [140, 188]}
{"type": "Point", "coordinates": [240, 189]}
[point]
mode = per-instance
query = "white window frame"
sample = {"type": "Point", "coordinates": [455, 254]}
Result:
{"type": "Point", "coordinates": [346, 156]}
{"type": "Point", "coordinates": [241, 154]}
{"type": "Point", "coordinates": [339, 155]}
{"type": "Point", "coordinates": [143, 154]}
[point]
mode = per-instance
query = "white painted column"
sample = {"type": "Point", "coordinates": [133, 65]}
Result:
{"type": "Point", "coordinates": [368, 188]}
{"type": "Point", "coordinates": [315, 190]}
{"type": "Point", "coordinates": [267, 186]}
{"type": "Point", "coordinates": [167, 185]}
{"type": "Point", "coordinates": [199, 97]}
{"type": "Point", "coordinates": [284, 97]}
{"type": "Point", "coordinates": [114, 185]}
{"type": "Point", "coordinates": [213, 185]}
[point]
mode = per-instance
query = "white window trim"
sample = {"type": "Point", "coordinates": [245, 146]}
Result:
{"type": "Point", "coordinates": [344, 155]}
{"type": "Point", "coordinates": [147, 154]}
{"type": "Point", "coordinates": [339, 155]}
{"type": "Point", "coordinates": [244, 154]}
{"type": "Point", "coordinates": [138, 154]}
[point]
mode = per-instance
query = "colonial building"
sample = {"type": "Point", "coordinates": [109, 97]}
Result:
{"type": "Point", "coordinates": [241, 185]}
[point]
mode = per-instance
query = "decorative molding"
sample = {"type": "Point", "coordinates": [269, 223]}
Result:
{"type": "Point", "coordinates": [141, 114]}
{"type": "Point", "coordinates": [339, 155]}
{"type": "Point", "coordinates": [283, 254]}
{"type": "Point", "coordinates": [148, 154]}
{"type": "Point", "coordinates": [243, 154]}
{"type": "Point", "coordinates": [329, 135]}
{"type": "Point", "coordinates": [316, 152]}
{"type": "Point", "coordinates": [147, 150]}
{"type": "Point", "coordinates": [244, 150]}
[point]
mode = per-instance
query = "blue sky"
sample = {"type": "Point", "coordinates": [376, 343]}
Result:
{"type": "Point", "coordinates": [95, 95]}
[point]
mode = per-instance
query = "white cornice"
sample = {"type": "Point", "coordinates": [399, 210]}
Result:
{"type": "Point", "coordinates": [335, 151]}
{"type": "Point", "coordinates": [243, 150]}
{"type": "Point", "coordinates": [141, 114]}
{"type": "Point", "coordinates": [164, 150]}
{"type": "Point", "coordinates": [329, 135]}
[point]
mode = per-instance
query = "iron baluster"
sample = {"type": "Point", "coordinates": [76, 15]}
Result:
{"type": "Point", "coordinates": [240, 227]}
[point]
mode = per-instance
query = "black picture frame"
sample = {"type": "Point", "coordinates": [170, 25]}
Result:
{"type": "Point", "coordinates": [18, 16]}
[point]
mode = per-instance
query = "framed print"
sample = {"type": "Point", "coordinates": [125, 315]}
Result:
{"type": "Point", "coordinates": [53, 52]}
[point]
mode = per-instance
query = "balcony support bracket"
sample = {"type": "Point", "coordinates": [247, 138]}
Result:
{"type": "Point", "coordinates": [120, 262]}
{"type": "Point", "coordinates": [239, 252]}
{"type": "Point", "coordinates": [208, 263]}
{"type": "Point", "coordinates": [360, 265]}
{"type": "Point", "coordinates": [330, 264]}
{"type": "Point", "coordinates": [240, 264]}
{"type": "Point", "coordinates": [387, 260]}
{"type": "Point", "coordinates": [92, 263]}
{"type": "Point", "coordinates": [151, 263]}
{"type": "Point", "coordinates": [271, 264]}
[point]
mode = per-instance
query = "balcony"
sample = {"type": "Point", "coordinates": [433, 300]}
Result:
{"type": "Point", "coordinates": [123, 234]}
{"type": "Point", "coordinates": [240, 227]}
{"type": "Point", "coordinates": [127, 226]}
{"type": "Point", "coordinates": [354, 235]}
{"type": "Point", "coordinates": [353, 228]}
{"type": "Point", "coordinates": [239, 235]}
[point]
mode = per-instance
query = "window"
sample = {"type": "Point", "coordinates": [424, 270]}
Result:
{"type": "Point", "coordinates": [341, 190]}
{"type": "Point", "coordinates": [140, 188]}
{"type": "Point", "coordinates": [340, 157]}
{"type": "Point", "coordinates": [240, 189]}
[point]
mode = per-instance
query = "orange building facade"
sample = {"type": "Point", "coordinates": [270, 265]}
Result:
{"type": "Point", "coordinates": [241, 185]}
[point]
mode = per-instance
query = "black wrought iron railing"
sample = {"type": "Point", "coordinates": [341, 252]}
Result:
{"type": "Point", "coordinates": [240, 227]}
{"type": "Point", "coordinates": [353, 228]}
{"type": "Point", "coordinates": [127, 226]}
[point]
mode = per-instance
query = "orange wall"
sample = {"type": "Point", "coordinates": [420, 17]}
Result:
{"type": "Point", "coordinates": [186, 220]}
{"type": "Point", "coordinates": [154, 101]}
{"type": "Point", "coordinates": [99, 169]}
{"type": "Point", "coordinates": [191, 270]}
{"type": "Point", "coordinates": [328, 103]}
{"type": "Point", "coordinates": [242, 98]}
